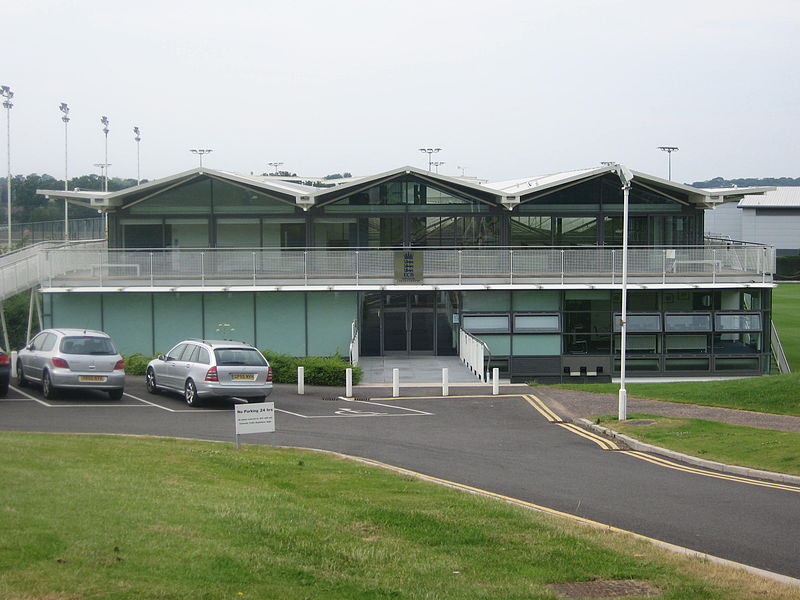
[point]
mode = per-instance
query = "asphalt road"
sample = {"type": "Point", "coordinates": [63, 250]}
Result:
{"type": "Point", "coordinates": [495, 443]}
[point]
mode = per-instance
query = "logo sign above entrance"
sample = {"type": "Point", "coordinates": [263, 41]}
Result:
{"type": "Point", "coordinates": [408, 266]}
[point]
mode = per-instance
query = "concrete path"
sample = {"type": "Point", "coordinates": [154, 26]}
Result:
{"type": "Point", "coordinates": [416, 370]}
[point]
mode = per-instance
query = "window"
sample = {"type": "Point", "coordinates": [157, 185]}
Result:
{"type": "Point", "coordinates": [537, 323]}
{"type": "Point", "coordinates": [688, 322]}
{"type": "Point", "coordinates": [176, 352]}
{"type": "Point", "coordinates": [639, 323]}
{"type": "Point", "coordinates": [486, 323]}
{"type": "Point", "coordinates": [738, 322]}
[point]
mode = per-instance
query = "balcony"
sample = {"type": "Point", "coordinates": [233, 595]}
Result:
{"type": "Point", "coordinates": [94, 266]}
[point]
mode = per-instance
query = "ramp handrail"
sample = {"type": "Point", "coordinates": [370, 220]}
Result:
{"type": "Point", "coordinates": [473, 351]}
{"type": "Point", "coordinates": [354, 343]}
{"type": "Point", "coordinates": [777, 350]}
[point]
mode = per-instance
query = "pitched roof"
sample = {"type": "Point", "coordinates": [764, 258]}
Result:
{"type": "Point", "coordinates": [780, 197]}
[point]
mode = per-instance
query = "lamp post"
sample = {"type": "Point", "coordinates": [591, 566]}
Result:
{"type": "Point", "coordinates": [65, 117]}
{"type": "Point", "coordinates": [201, 152]}
{"type": "Point", "coordinates": [6, 93]}
{"type": "Point", "coordinates": [104, 121]}
{"type": "Point", "coordinates": [430, 152]}
{"type": "Point", "coordinates": [462, 169]}
{"type": "Point", "coordinates": [669, 150]}
{"type": "Point", "coordinates": [625, 178]}
{"type": "Point", "coordinates": [437, 164]}
{"type": "Point", "coordinates": [275, 165]}
{"type": "Point", "coordinates": [138, 137]}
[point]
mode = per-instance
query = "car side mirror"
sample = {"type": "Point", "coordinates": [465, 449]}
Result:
{"type": "Point", "coordinates": [31, 347]}
{"type": "Point", "coordinates": [162, 357]}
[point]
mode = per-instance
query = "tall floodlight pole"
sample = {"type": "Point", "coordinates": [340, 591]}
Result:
{"type": "Point", "coordinates": [104, 121]}
{"type": "Point", "coordinates": [201, 152]}
{"type": "Point", "coordinates": [625, 177]}
{"type": "Point", "coordinates": [436, 164]}
{"type": "Point", "coordinates": [462, 169]}
{"type": "Point", "coordinates": [275, 165]}
{"type": "Point", "coordinates": [6, 93]}
{"type": "Point", "coordinates": [138, 137]}
{"type": "Point", "coordinates": [669, 150]}
{"type": "Point", "coordinates": [430, 152]}
{"type": "Point", "coordinates": [65, 117]}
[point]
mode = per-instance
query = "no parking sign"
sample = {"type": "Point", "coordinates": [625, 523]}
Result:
{"type": "Point", "coordinates": [254, 418]}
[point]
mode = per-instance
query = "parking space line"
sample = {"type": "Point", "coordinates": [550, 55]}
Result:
{"type": "Point", "coordinates": [453, 397]}
{"type": "Point", "coordinates": [27, 395]}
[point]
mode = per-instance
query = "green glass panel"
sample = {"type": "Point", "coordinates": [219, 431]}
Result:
{"type": "Point", "coordinates": [191, 198]}
{"type": "Point", "coordinates": [238, 233]}
{"type": "Point", "coordinates": [231, 199]}
{"type": "Point", "coordinates": [532, 231]}
{"type": "Point", "coordinates": [537, 345]}
{"type": "Point", "coordinates": [499, 300]}
{"type": "Point", "coordinates": [286, 334]}
{"type": "Point", "coordinates": [535, 300]}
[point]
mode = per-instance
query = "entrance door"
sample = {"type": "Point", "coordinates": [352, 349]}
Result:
{"type": "Point", "coordinates": [408, 323]}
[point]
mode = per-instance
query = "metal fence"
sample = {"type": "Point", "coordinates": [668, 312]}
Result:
{"type": "Point", "coordinates": [26, 234]}
{"type": "Point", "coordinates": [512, 266]}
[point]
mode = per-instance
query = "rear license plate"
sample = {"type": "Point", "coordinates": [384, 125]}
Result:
{"type": "Point", "coordinates": [243, 376]}
{"type": "Point", "coordinates": [92, 378]}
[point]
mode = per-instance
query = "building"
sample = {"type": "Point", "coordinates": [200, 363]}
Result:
{"type": "Point", "coordinates": [411, 262]}
{"type": "Point", "coordinates": [771, 218]}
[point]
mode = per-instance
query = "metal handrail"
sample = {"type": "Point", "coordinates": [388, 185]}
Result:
{"type": "Point", "coordinates": [777, 350]}
{"type": "Point", "coordinates": [354, 342]}
{"type": "Point", "coordinates": [472, 350]}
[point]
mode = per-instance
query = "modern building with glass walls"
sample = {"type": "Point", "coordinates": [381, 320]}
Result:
{"type": "Point", "coordinates": [402, 262]}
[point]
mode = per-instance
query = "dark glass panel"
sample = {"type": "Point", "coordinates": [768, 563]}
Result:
{"type": "Point", "coordinates": [191, 198]}
{"type": "Point", "coordinates": [230, 199]}
{"type": "Point", "coordinates": [532, 231]}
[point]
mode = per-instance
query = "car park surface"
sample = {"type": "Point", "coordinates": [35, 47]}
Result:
{"type": "Point", "coordinates": [500, 444]}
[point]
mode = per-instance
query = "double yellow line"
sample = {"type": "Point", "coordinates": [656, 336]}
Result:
{"type": "Point", "coordinates": [607, 444]}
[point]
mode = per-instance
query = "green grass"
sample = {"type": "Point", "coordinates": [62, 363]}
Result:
{"type": "Point", "coordinates": [786, 315]}
{"type": "Point", "coordinates": [765, 449]}
{"type": "Point", "coordinates": [776, 394]}
{"type": "Point", "coordinates": [132, 518]}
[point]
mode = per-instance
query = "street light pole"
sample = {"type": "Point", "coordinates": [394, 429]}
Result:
{"type": "Point", "coordinates": [429, 152]}
{"type": "Point", "coordinates": [200, 152]}
{"type": "Point", "coordinates": [275, 165]}
{"type": "Point", "coordinates": [138, 137]}
{"type": "Point", "coordinates": [65, 117]}
{"type": "Point", "coordinates": [625, 177]}
{"type": "Point", "coordinates": [104, 121]}
{"type": "Point", "coordinates": [669, 150]}
{"type": "Point", "coordinates": [6, 93]}
{"type": "Point", "coordinates": [437, 164]}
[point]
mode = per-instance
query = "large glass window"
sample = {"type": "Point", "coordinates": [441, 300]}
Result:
{"type": "Point", "coordinates": [192, 198]}
{"type": "Point", "coordinates": [286, 233]}
{"type": "Point", "coordinates": [485, 323]}
{"type": "Point", "coordinates": [186, 233]}
{"type": "Point", "coordinates": [532, 231]}
{"type": "Point", "coordinates": [409, 195]}
{"type": "Point", "coordinates": [738, 322]}
{"type": "Point", "coordinates": [576, 231]}
{"type": "Point", "coordinates": [142, 233]}
{"type": "Point", "coordinates": [238, 233]}
{"type": "Point", "coordinates": [537, 323]}
{"type": "Point", "coordinates": [737, 343]}
{"type": "Point", "coordinates": [455, 231]}
{"type": "Point", "coordinates": [688, 322]}
{"type": "Point", "coordinates": [638, 323]}
{"type": "Point", "coordinates": [687, 344]}
{"type": "Point", "coordinates": [231, 199]}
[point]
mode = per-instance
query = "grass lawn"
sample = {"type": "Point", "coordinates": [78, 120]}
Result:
{"type": "Point", "coordinates": [132, 518]}
{"type": "Point", "coordinates": [765, 449]}
{"type": "Point", "coordinates": [776, 394]}
{"type": "Point", "coordinates": [786, 315]}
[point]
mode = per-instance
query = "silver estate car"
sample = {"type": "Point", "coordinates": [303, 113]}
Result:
{"type": "Point", "coordinates": [72, 359]}
{"type": "Point", "coordinates": [201, 369]}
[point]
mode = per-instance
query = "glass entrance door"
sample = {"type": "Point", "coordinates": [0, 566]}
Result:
{"type": "Point", "coordinates": [408, 323]}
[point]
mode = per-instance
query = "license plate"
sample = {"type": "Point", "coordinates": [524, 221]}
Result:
{"type": "Point", "coordinates": [244, 376]}
{"type": "Point", "coordinates": [92, 378]}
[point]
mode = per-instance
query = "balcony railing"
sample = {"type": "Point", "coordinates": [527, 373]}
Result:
{"type": "Point", "coordinates": [84, 266]}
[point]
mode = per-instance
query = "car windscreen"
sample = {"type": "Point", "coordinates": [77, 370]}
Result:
{"type": "Point", "coordinates": [232, 357]}
{"type": "Point", "coordinates": [95, 346]}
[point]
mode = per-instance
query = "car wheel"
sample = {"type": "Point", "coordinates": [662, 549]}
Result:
{"type": "Point", "coordinates": [48, 390]}
{"type": "Point", "coordinates": [150, 381]}
{"type": "Point", "coordinates": [21, 379]}
{"type": "Point", "coordinates": [3, 388]}
{"type": "Point", "coordinates": [190, 393]}
{"type": "Point", "coordinates": [116, 394]}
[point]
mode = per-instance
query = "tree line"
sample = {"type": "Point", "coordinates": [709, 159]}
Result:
{"type": "Point", "coordinates": [719, 182]}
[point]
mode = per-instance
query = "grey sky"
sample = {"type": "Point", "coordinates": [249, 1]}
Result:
{"type": "Point", "coordinates": [505, 88]}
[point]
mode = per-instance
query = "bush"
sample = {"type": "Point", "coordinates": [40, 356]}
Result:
{"type": "Point", "coordinates": [136, 364]}
{"type": "Point", "coordinates": [319, 370]}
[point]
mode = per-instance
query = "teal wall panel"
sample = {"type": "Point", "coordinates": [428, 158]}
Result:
{"type": "Point", "coordinates": [76, 310]}
{"type": "Point", "coordinates": [281, 322]}
{"type": "Point", "coordinates": [229, 316]}
{"type": "Point", "coordinates": [536, 300]}
{"type": "Point", "coordinates": [499, 345]}
{"type": "Point", "coordinates": [128, 320]}
{"type": "Point", "coordinates": [176, 317]}
{"type": "Point", "coordinates": [497, 300]}
{"type": "Point", "coordinates": [537, 344]}
{"type": "Point", "coordinates": [330, 315]}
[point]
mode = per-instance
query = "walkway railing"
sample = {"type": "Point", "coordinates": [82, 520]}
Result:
{"type": "Point", "coordinates": [354, 343]}
{"type": "Point", "coordinates": [474, 352]}
{"type": "Point", "coordinates": [777, 350]}
{"type": "Point", "coordinates": [431, 266]}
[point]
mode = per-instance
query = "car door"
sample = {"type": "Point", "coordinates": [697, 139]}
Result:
{"type": "Point", "coordinates": [166, 371]}
{"type": "Point", "coordinates": [41, 348]}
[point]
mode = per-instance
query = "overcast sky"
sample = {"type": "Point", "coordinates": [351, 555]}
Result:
{"type": "Point", "coordinates": [506, 88]}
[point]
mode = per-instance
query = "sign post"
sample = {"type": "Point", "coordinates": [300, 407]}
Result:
{"type": "Point", "coordinates": [254, 418]}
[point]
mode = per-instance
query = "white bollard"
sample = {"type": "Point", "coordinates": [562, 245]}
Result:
{"type": "Point", "coordinates": [395, 383]}
{"type": "Point", "coordinates": [301, 381]}
{"type": "Point", "coordinates": [495, 381]}
{"type": "Point", "coordinates": [445, 382]}
{"type": "Point", "coordinates": [348, 377]}
{"type": "Point", "coordinates": [13, 362]}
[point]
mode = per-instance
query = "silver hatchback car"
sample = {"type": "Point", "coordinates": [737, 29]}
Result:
{"type": "Point", "coordinates": [201, 369]}
{"type": "Point", "coordinates": [72, 359]}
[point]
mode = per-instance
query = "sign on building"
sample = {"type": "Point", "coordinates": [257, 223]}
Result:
{"type": "Point", "coordinates": [408, 266]}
